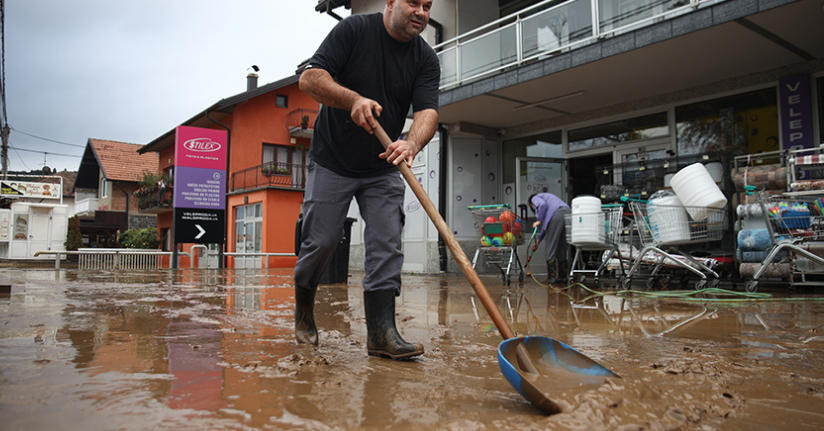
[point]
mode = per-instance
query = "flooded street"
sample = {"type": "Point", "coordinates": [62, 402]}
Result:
{"type": "Point", "coordinates": [86, 350]}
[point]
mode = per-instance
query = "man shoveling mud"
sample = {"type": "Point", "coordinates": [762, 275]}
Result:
{"type": "Point", "coordinates": [368, 67]}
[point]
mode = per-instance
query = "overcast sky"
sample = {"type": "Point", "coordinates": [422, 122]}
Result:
{"type": "Point", "coordinates": [131, 71]}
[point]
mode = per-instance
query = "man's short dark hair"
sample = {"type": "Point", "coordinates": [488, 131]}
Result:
{"type": "Point", "coordinates": [529, 201]}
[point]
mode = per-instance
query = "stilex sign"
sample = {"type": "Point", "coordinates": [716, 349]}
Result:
{"type": "Point", "coordinates": [200, 185]}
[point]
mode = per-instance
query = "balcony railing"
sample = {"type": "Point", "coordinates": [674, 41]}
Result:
{"type": "Point", "coordinates": [154, 200]}
{"type": "Point", "coordinates": [272, 174]}
{"type": "Point", "coordinates": [541, 31]}
{"type": "Point", "coordinates": [301, 122]}
{"type": "Point", "coordinates": [302, 117]}
{"type": "Point", "coordinates": [86, 207]}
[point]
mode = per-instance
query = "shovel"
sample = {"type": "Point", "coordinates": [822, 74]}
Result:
{"type": "Point", "coordinates": [532, 365]}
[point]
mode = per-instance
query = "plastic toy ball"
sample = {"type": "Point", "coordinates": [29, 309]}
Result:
{"type": "Point", "coordinates": [509, 238]}
{"type": "Point", "coordinates": [497, 241]}
{"type": "Point", "coordinates": [507, 217]}
{"type": "Point", "coordinates": [486, 241]}
{"type": "Point", "coordinates": [491, 219]}
{"type": "Point", "coordinates": [516, 227]}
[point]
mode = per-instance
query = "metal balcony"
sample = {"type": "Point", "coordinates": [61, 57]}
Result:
{"type": "Point", "coordinates": [154, 201]}
{"type": "Point", "coordinates": [301, 122]}
{"type": "Point", "coordinates": [276, 175]}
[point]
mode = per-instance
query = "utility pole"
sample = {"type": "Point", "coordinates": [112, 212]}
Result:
{"type": "Point", "coordinates": [4, 120]}
{"type": "Point", "coordinates": [4, 152]}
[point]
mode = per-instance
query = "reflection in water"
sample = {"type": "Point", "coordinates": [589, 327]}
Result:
{"type": "Point", "coordinates": [215, 349]}
{"type": "Point", "coordinates": [194, 355]}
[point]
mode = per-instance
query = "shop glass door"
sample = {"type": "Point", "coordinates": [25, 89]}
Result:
{"type": "Point", "coordinates": [248, 224]}
{"type": "Point", "coordinates": [539, 175]}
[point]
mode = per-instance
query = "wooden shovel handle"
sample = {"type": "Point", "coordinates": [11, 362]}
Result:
{"type": "Point", "coordinates": [451, 242]}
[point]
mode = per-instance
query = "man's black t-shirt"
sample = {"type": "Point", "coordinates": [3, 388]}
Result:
{"type": "Point", "coordinates": [361, 55]}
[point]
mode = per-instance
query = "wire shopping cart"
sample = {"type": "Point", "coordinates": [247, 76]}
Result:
{"type": "Point", "coordinates": [500, 237]}
{"type": "Point", "coordinates": [594, 232]}
{"type": "Point", "coordinates": [795, 224]}
{"type": "Point", "coordinates": [661, 226]}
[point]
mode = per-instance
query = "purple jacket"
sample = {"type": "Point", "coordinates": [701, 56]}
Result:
{"type": "Point", "coordinates": [545, 206]}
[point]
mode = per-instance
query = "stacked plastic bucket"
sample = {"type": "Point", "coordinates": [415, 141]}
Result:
{"type": "Point", "coordinates": [587, 221]}
{"type": "Point", "coordinates": [697, 191]}
{"type": "Point", "coordinates": [668, 219]}
{"type": "Point", "coordinates": [696, 197]}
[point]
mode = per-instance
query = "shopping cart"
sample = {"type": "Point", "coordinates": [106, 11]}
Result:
{"type": "Point", "coordinates": [500, 237]}
{"type": "Point", "coordinates": [662, 229]}
{"type": "Point", "coordinates": [795, 224]}
{"type": "Point", "coordinates": [594, 232]}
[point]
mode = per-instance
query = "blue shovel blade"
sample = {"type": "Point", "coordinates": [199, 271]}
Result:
{"type": "Point", "coordinates": [561, 369]}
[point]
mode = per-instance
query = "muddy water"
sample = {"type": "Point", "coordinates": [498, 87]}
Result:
{"type": "Point", "coordinates": [126, 351]}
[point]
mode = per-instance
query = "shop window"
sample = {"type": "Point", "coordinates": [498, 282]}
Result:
{"type": "Point", "coordinates": [21, 227]}
{"type": "Point", "coordinates": [741, 124]}
{"type": "Point", "coordinates": [547, 145]}
{"type": "Point", "coordinates": [619, 132]}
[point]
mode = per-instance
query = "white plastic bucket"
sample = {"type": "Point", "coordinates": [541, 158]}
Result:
{"type": "Point", "coordinates": [668, 220]}
{"type": "Point", "coordinates": [588, 228]}
{"type": "Point", "coordinates": [586, 205]}
{"type": "Point", "coordinates": [697, 190]}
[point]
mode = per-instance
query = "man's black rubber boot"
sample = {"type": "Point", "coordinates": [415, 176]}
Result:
{"type": "Point", "coordinates": [551, 271]}
{"type": "Point", "coordinates": [305, 330]}
{"type": "Point", "coordinates": [382, 337]}
{"type": "Point", "coordinates": [563, 270]}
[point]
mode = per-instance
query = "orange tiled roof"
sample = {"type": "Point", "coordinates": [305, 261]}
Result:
{"type": "Point", "coordinates": [120, 161]}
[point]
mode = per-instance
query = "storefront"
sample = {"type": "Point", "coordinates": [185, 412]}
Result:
{"type": "Point", "coordinates": [615, 155]}
{"type": "Point", "coordinates": [36, 220]}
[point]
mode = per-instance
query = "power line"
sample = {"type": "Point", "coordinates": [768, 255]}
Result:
{"type": "Point", "coordinates": [47, 139]}
{"type": "Point", "coordinates": [22, 161]}
{"type": "Point", "coordinates": [44, 152]}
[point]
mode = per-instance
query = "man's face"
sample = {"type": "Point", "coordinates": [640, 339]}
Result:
{"type": "Point", "coordinates": [408, 18]}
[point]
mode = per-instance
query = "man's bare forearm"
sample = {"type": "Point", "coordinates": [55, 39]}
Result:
{"type": "Point", "coordinates": [424, 125]}
{"type": "Point", "coordinates": [318, 84]}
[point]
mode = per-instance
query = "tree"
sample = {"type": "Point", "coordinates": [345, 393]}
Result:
{"type": "Point", "coordinates": [139, 238]}
{"type": "Point", "coordinates": [74, 239]}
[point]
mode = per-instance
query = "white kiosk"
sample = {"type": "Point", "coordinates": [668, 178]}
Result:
{"type": "Point", "coordinates": [36, 221]}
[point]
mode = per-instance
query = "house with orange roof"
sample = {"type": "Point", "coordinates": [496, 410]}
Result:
{"type": "Point", "coordinates": [110, 172]}
{"type": "Point", "coordinates": [269, 128]}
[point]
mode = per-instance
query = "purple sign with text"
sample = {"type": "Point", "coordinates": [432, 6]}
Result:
{"type": "Point", "coordinates": [795, 112]}
{"type": "Point", "coordinates": [200, 185]}
{"type": "Point", "coordinates": [200, 188]}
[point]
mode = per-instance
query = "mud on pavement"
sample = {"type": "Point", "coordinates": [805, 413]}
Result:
{"type": "Point", "coordinates": [215, 350]}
